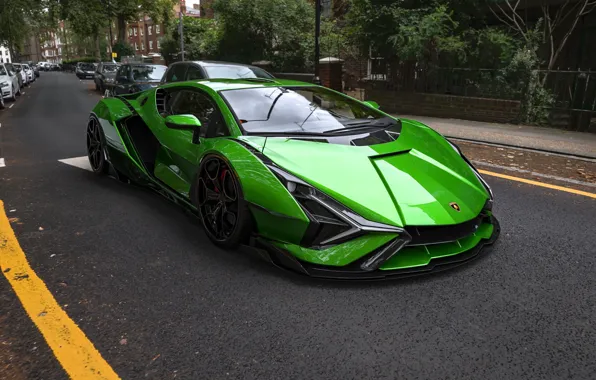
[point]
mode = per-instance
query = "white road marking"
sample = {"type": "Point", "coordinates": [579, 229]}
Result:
{"type": "Point", "coordinates": [556, 178]}
{"type": "Point", "coordinates": [2, 164]}
{"type": "Point", "coordinates": [78, 162]}
{"type": "Point", "coordinates": [12, 105]}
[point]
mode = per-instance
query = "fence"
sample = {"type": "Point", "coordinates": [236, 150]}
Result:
{"type": "Point", "coordinates": [574, 92]}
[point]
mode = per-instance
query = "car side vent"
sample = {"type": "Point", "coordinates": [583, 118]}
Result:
{"type": "Point", "coordinates": [130, 107]}
{"type": "Point", "coordinates": [160, 101]}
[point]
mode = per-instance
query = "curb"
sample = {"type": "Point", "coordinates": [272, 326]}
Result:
{"type": "Point", "coordinates": [559, 153]}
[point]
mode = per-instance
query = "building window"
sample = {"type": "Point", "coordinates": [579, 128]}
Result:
{"type": "Point", "coordinates": [149, 30]}
{"type": "Point", "coordinates": [158, 45]}
{"type": "Point", "coordinates": [156, 29]}
{"type": "Point", "coordinates": [142, 46]}
{"type": "Point", "coordinates": [130, 32]}
{"type": "Point", "coordinates": [150, 45]}
{"type": "Point", "coordinates": [141, 31]}
{"type": "Point", "coordinates": [135, 31]}
{"type": "Point", "coordinates": [59, 51]}
{"type": "Point", "coordinates": [136, 46]}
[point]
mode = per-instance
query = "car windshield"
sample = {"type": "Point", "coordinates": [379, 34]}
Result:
{"type": "Point", "coordinates": [3, 70]}
{"type": "Point", "coordinates": [87, 67]}
{"type": "Point", "coordinates": [110, 68]}
{"type": "Point", "coordinates": [303, 110]}
{"type": "Point", "coordinates": [148, 73]}
{"type": "Point", "coordinates": [234, 72]}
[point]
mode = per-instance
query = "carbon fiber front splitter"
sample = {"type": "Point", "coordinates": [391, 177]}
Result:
{"type": "Point", "coordinates": [285, 260]}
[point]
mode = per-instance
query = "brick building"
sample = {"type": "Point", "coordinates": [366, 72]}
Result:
{"type": "Point", "coordinates": [144, 36]}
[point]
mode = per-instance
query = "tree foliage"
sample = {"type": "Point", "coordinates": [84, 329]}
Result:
{"type": "Point", "coordinates": [18, 20]}
{"type": "Point", "coordinates": [273, 30]}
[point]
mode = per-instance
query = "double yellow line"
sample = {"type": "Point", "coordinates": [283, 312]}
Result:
{"type": "Point", "coordinates": [75, 352]}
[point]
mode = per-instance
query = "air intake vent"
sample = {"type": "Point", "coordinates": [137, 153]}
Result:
{"type": "Point", "coordinates": [160, 101]}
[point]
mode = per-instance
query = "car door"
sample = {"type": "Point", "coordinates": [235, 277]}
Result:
{"type": "Point", "coordinates": [178, 157]}
{"type": "Point", "coordinates": [123, 81]}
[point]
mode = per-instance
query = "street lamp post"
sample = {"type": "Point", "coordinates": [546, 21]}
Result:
{"type": "Point", "coordinates": [317, 33]}
{"type": "Point", "coordinates": [181, 36]}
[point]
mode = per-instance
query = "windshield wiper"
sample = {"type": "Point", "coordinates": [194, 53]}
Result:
{"type": "Point", "coordinates": [281, 134]}
{"type": "Point", "coordinates": [377, 123]}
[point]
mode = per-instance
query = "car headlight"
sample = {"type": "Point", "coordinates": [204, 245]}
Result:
{"type": "Point", "coordinates": [110, 80]}
{"type": "Point", "coordinates": [4, 84]}
{"type": "Point", "coordinates": [332, 223]}
{"type": "Point", "coordinates": [488, 188]}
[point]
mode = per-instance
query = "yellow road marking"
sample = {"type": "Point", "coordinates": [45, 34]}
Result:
{"type": "Point", "coordinates": [75, 352]}
{"type": "Point", "coordinates": [541, 184]}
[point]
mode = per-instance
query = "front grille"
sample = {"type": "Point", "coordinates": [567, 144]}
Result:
{"type": "Point", "coordinates": [422, 235]}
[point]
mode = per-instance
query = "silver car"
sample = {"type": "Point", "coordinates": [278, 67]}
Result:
{"type": "Point", "coordinates": [29, 71]}
{"type": "Point", "coordinates": [9, 82]}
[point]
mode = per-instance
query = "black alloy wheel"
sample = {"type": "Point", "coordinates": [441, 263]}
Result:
{"type": "Point", "coordinates": [223, 211]}
{"type": "Point", "coordinates": [95, 147]}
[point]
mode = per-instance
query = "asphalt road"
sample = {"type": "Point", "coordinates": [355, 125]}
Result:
{"type": "Point", "coordinates": [159, 301]}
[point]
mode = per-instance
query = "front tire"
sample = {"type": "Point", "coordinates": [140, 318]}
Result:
{"type": "Point", "coordinates": [223, 211]}
{"type": "Point", "coordinates": [96, 147]}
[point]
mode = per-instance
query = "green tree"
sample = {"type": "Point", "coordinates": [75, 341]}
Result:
{"type": "Point", "coordinates": [18, 19]}
{"type": "Point", "coordinates": [273, 30]}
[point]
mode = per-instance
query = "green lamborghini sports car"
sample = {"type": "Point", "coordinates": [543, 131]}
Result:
{"type": "Point", "coordinates": [309, 178]}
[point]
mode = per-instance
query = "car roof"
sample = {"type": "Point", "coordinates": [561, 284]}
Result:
{"type": "Point", "coordinates": [237, 84]}
{"type": "Point", "coordinates": [215, 63]}
{"type": "Point", "coordinates": [142, 64]}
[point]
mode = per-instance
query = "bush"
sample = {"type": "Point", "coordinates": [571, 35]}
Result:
{"type": "Point", "coordinates": [123, 50]}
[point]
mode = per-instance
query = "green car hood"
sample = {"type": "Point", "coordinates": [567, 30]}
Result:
{"type": "Point", "coordinates": [413, 180]}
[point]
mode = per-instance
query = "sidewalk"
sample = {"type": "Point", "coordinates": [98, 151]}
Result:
{"type": "Point", "coordinates": [523, 136]}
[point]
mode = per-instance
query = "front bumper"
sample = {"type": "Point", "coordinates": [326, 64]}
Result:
{"type": "Point", "coordinates": [286, 260]}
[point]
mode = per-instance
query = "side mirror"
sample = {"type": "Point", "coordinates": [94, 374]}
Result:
{"type": "Point", "coordinates": [373, 104]}
{"type": "Point", "coordinates": [184, 122]}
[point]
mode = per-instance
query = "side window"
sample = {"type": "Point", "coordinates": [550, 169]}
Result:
{"type": "Point", "coordinates": [176, 73]}
{"type": "Point", "coordinates": [121, 72]}
{"type": "Point", "coordinates": [200, 105]}
{"type": "Point", "coordinates": [194, 73]}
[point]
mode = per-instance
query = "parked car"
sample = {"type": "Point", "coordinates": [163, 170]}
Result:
{"type": "Point", "coordinates": [194, 70]}
{"type": "Point", "coordinates": [105, 75]}
{"type": "Point", "coordinates": [30, 74]}
{"type": "Point", "coordinates": [19, 69]}
{"type": "Point", "coordinates": [17, 74]}
{"type": "Point", "coordinates": [9, 82]}
{"type": "Point", "coordinates": [85, 70]}
{"type": "Point", "coordinates": [135, 77]}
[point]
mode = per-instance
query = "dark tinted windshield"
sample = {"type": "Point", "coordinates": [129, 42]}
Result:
{"type": "Point", "coordinates": [87, 67]}
{"type": "Point", "coordinates": [234, 72]}
{"type": "Point", "coordinates": [299, 109]}
{"type": "Point", "coordinates": [148, 73]}
{"type": "Point", "coordinates": [110, 68]}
